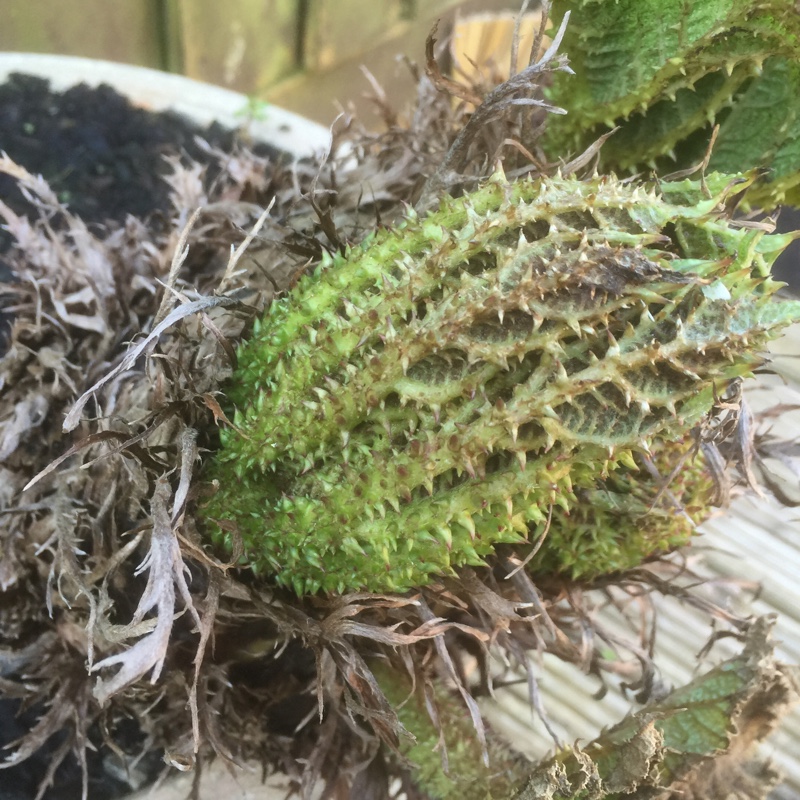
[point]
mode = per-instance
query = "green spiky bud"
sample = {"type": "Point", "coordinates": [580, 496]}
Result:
{"type": "Point", "coordinates": [444, 386]}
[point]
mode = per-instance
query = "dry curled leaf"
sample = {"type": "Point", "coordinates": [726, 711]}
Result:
{"type": "Point", "coordinates": [181, 312]}
{"type": "Point", "coordinates": [165, 569]}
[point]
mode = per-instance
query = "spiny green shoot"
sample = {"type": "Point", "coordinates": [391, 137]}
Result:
{"type": "Point", "coordinates": [451, 384]}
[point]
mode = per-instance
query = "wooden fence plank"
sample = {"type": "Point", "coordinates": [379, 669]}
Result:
{"type": "Point", "coordinates": [123, 30]}
{"type": "Point", "coordinates": [339, 30]}
{"type": "Point", "coordinates": [241, 44]}
{"type": "Point", "coordinates": [316, 93]}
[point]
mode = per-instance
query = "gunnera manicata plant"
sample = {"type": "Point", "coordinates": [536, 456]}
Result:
{"type": "Point", "coordinates": [439, 386]}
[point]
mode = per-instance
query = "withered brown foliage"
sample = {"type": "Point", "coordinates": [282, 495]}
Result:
{"type": "Point", "coordinates": [111, 390]}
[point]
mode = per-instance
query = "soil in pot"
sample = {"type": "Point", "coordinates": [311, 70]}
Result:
{"type": "Point", "coordinates": [105, 159]}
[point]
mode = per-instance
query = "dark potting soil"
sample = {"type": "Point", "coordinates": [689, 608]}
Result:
{"type": "Point", "coordinates": [101, 156]}
{"type": "Point", "coordinates": [105, 160]}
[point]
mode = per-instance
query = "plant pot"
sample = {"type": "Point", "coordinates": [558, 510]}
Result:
{"type": "Point", "coordinates": [159, 91]}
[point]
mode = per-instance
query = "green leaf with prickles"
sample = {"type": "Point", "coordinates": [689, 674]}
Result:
{"type": "Point", "coordinates": [449, 384]}
{"type": "Point", "coordinates": [665, 71]}
{"type": "Point", "coordinates": [467, 776]}
{"type": "Point", "coordinates": [653, 750]}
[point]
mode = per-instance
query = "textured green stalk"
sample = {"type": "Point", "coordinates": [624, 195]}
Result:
{"type": "Point", "coordinates": [468, 776]}
{"type": "Point", "coordinates": [439, 390]}
{"type": "Point", "coordinates": [666, 71]}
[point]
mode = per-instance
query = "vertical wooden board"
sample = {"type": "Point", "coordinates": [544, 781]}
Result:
{"type": "Point", "coordinates": [245, 45]}
{"type": "Point", "coordinates": [481, 43]}
{"type": "Point", "coordinates": [172, 36]}
{"type": "Point", "coordinates": [319, 94]}
{"type": "Point", "coordinates": [124, 30]}
{"type": "Point", "coordinates": [338, 30]}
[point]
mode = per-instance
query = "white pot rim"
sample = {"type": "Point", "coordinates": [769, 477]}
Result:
{"type": "Point", "coordinates": [154, 90]}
